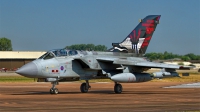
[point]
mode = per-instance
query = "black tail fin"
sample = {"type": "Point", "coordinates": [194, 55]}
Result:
{"type": "Point", "coordinates": [138, 40]}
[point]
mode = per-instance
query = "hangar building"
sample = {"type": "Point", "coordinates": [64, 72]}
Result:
{"type": "Point", "coordinates": [15, 59]}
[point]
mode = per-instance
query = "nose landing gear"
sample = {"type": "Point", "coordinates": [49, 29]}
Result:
{"type": "Point", "coordinates": [54, 90]}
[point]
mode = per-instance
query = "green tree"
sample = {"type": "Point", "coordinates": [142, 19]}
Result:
{"type": "Point", "coordinates": [166, 55]}
{"type": "Point", "coordinates": [198, 57]}
{"type": "Point", "coordinates": [5, 44]}
{"type": "Point", "coordinates": [100, 48]}
{"type": "Point", "coordinates": [191, 56]}
{"type": "Point", "coordinates": [185, 58]}
{"type": "Point", "coordinates": [90, 47]}
{"type": "Point", "coordinates": [87, 47]}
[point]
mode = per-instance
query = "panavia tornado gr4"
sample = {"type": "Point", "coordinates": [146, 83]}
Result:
{"type": "Point", "coordinates": [122, 64]}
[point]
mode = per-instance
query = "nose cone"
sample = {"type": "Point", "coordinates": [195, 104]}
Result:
{"type": "Point", "coordinates": [28, 70]}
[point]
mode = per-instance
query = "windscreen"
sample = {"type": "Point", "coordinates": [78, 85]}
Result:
{"type": "Point", "coordinates": [48, 56]}
{"type": "Point", "coordinates": [41, 57]}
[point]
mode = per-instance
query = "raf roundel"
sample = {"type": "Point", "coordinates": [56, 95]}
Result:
{"type": "Point", "coordinates": [61, 68]}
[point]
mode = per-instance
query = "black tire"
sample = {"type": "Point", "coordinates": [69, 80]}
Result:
{"type": "Point", "coordinates": [51, 91]}
{"type": "Point", "coordinates": [55, 91]}
{"type": "Point", "coordinates": [118, 88]}
{"type": "Point", "coordinates": [83, 88]}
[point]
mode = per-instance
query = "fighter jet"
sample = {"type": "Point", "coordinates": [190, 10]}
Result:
{"type": "Point", "coordinates": [122, 64]}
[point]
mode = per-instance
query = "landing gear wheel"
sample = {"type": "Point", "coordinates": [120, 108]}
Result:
{"type": "Point", "coordinates": [53, 91]}
{"type": "Point", "coordinates": [84, 88]}
{"type": "Point", "coordinates": [118, 88]}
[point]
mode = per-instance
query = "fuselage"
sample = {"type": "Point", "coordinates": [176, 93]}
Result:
{"type": "Point", "coordinates": [62, 63]}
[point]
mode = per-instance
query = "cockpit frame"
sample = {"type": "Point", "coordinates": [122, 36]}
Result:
{"type": "Point", "coordinates": [58, 53]}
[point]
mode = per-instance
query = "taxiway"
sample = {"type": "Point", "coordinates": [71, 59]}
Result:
{"type": "Point", "coordinates": [149, 96]}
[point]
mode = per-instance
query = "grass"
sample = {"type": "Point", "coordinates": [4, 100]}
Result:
{"type": "Point", "coordinates": [15, 79]}
{"type": "Point", "coordinates": [194, 77]}
{"type": "Point", "coordinates": [191, 78]}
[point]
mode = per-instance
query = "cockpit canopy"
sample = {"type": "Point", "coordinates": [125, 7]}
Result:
{"type": "Point", "coordinates": [58, 53]}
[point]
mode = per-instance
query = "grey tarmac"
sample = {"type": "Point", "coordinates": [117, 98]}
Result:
{"type": "Point", "coordinates": [190, 85]}
{"type": "Point", "coordinates": [136, 97]}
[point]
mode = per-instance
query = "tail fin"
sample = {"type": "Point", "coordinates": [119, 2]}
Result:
{"type": "Point", "coordinates": [138, 40]}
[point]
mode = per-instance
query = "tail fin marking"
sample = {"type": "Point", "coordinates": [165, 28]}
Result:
{"type": "Point", "coordinates": [138, 40]}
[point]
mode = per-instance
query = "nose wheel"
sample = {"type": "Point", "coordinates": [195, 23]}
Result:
{"type": "Point", "coordinates": [54, 90]}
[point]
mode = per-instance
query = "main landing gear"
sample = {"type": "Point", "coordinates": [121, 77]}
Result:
{"type": "Point", "coordinates": [54, 90]}
{"type": "Point", "coordinates": [85, 86]}
{"type": "Point", "coordinates": [118, 88]}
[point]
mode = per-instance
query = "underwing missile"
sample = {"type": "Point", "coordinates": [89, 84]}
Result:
{"type": "Point", "coordinates": [165, 74]}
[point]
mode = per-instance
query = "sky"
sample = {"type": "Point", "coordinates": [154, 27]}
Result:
{"type": "Point", "coordinates": [41, 25]}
